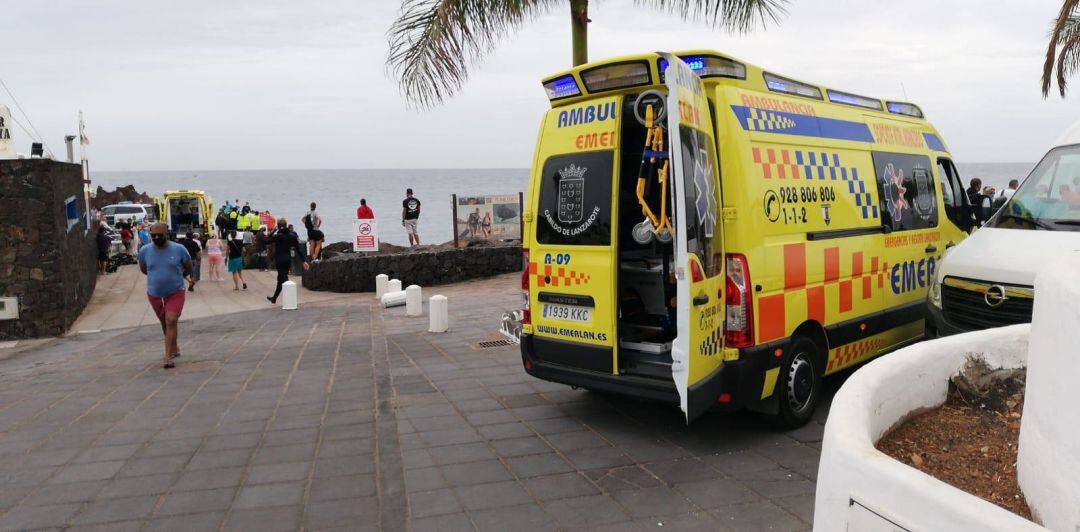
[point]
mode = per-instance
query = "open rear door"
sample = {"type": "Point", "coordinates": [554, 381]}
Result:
{"type": "Point", "coordinates": [699, 259]}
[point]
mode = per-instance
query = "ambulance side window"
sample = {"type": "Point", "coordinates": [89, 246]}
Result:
{"type": "Point", "coordinates": [907, 192]}
{"type": "Point", "coordinates": [575, 199]}
{"type": "Point", "coordinates": [952, 192]}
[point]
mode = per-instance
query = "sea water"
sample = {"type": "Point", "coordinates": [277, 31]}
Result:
{"type": "Point", "coordinates": [337, 192]}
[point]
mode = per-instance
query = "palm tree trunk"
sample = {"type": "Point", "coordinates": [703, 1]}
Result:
{"type": "Point", "coordinates": [579, 24]}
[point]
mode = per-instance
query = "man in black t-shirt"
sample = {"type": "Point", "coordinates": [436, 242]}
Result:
{"type": "Point", "coordinates": [191, 244]}
{"type": "Point", "coordinates": [410, 215]}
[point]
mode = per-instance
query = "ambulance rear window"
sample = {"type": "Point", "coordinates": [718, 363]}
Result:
{"type": "Point", "coordinates": [575, 200]}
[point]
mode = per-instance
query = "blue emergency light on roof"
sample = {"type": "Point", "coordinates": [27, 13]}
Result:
{"type": "Point", "coordinates": [708, 66]}
{"type": "Point", "coordinates": [562, 87]}
{"type": "Point", "coordinates": [854, 99]}
{"type": "Point", "coordinates": [789, 86]}
{"type": "Point", "coordinates": [616, 76]}
{"type": "Point", "coordinates": [903, 108]}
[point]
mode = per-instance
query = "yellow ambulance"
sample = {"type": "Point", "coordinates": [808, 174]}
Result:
{"type": "Point", "coordinates": [186, 210]}
{"type": "Point", "coordinates": [707, 233]}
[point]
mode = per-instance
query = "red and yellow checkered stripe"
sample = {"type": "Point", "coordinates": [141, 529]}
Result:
{"type": "Point", "coordinates": [846, 355]}
{"type": "Point", "coordinates": [774, 316]}
{"type": "Point", "coordinates": [547, 275]}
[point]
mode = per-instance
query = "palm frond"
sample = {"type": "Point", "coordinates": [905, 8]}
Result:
{"type": "Point", "coordinates": [1068, 60]}
{"type": "Point", "coordinates": [433, 42]}
{"type": "Point", "coordinates": [1061, 23]}
{"type": "Point", "coordinates": [732, 15]}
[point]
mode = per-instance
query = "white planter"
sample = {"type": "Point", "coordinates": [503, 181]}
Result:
{"type": "Point", "coordinates": [1049, 457]}
{"type": "Point", "coordinates": [861, 488]}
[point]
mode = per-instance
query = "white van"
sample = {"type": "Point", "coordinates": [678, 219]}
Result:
{"type": "Point", "coordinates": [129, 212]}
{"type": "Point", "coordinates": [987, 280]}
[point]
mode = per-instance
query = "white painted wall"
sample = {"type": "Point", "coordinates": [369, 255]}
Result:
{"type": "Point", "coordinates": [860, 487]}
{"type": "Point", "coordinates": [1049, 461]}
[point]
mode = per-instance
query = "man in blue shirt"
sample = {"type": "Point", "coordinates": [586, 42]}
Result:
{"type": "Point", "coordinates": [166, 266]}
{"type": "Point", "coordinates": [144, 235]}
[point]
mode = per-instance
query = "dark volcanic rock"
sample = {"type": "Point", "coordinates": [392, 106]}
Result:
{"type": "Point", "coordinates": [352, 272]}
{"type": "Point", "coordinates": [108, 197]}
{"type": "Point", "coordinates": [49, 267]}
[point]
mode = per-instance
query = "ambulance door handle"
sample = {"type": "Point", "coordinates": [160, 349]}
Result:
{"type": "Point", "coordinates": [931, 249]}
{"type": "Point", "coordinates": [701, 300]}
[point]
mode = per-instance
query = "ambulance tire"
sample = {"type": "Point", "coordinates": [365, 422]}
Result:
{"type": "Point", "coordinates": [799, 384]}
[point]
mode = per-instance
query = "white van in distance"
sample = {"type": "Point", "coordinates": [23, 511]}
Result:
{"type": "Point", "coordinates": [987, 280]}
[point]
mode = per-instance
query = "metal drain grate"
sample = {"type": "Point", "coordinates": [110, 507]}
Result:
{"type": "Point", "coordinates": [491, 344]}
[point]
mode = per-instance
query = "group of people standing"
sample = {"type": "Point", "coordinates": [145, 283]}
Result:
{"type": "Point", "coordinates": [172, 268]}
{"type": "Point", "coordinates": [410, 215]}
{"type": "Point", "coordinates": [976, 191]}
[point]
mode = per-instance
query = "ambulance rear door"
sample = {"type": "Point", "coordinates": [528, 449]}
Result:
{"type": "Point", "coordinates": [699, 259]}
{"type": "Point", "coordinates": [572, 255]}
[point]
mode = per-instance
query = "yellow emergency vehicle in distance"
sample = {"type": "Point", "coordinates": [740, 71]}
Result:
{"type": "Point", "coordinates": [715, 235]}
{"type": "Point", "coordinates": [186, 210]}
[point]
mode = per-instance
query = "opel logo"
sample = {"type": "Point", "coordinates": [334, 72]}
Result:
{"type": "Point", "coordinates": [995, 296]}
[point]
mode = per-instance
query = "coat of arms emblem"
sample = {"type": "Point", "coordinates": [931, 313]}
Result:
{"type": "Point", "coordinates": [572, 194]}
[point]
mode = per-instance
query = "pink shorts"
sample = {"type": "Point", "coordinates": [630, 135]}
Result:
{"type": "Point", "coordinates": [214, 258]}
{"type": "Point", "coordinates": [170, 304]}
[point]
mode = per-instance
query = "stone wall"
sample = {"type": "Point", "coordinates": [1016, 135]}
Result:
{"type": "Point", "coordinates": [50, 269]}
{"type": "Point", "coordinates": [356, 273]}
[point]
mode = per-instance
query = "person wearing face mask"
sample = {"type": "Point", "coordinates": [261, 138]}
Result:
{"type": "Point", "coordinates": [284, 241]}
{"type": "Point", "coordinates": [166, 266]}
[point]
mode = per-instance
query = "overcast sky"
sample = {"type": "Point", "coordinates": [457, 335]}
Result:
{"type": "Point", "coordinates": [254, 84]}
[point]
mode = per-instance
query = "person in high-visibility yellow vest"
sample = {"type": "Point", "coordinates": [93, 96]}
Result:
{"type": "Point", "coordinates": [252, 221]}
{"type": "Point", "coordinates": [243, 222]}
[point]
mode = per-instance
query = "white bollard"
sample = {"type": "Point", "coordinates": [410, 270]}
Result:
{"type": "Point", "coordinates": [381, 282]}
{"type": "Point", "coordinates": [288, 295]}
{"type": "Point", "coordinates": [440, 314]}
{"type": "Point", "coordinates": [394, 285]}
{"type": "Point", "coordinates": [414, 304]}
{"type": "Point", "coordinates": [393, 299]}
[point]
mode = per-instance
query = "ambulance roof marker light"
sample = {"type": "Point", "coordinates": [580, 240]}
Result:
{"type": "Point", "coordinates": [789, 86]}
{"type": "Point", "coordinates": [562, 87]}
{"type": "Point", "coordinates": [616, 76]}
{"type": "Point", "coordinates": [847, 98]}
{"type": "Point", "coordinates": [708, 66]}
{"type": "Point", "coordinates": [904, 108]}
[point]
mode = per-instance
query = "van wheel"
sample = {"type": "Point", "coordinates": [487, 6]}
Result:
{"type": "Point", "coordinates": [800, 384]}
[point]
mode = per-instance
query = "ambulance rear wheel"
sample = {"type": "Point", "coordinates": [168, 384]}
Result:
{"type": "Point", "coordinates": [799, 384]}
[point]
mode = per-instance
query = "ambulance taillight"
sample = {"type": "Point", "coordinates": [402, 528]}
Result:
{"type": "Point", "coordinates": [526, 313]}
{"type": "Point", "coordinates": [739, 324]}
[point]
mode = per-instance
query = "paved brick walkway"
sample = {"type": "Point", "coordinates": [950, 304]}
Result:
{"type": "Point", "coordinates": [342, 415]}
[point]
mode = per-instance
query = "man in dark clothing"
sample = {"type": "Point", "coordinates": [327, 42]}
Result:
{"type": "Point", "coordinates": [260, 249]}
{"type": "Point", "coordinates": [410, 217]}
{"type": "Point", "coordinates": [974, 191]}
{"type": "Point", "coordinates": [195, 250]}
{"type": "Point", "coordinates": [975, 196]}
{"type": "Point", "coordinates": [103, 245]}
{"type": "Point", "coordinates": [284, 241]}
{"type": "Point", "coordinates": [222, 223]}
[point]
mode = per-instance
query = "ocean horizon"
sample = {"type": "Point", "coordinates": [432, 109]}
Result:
{"type": "Point", "coordinates": [337, 192]}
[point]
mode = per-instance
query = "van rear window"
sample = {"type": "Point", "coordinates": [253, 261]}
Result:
{"type": "Point", "coordinates": [575, 200]}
